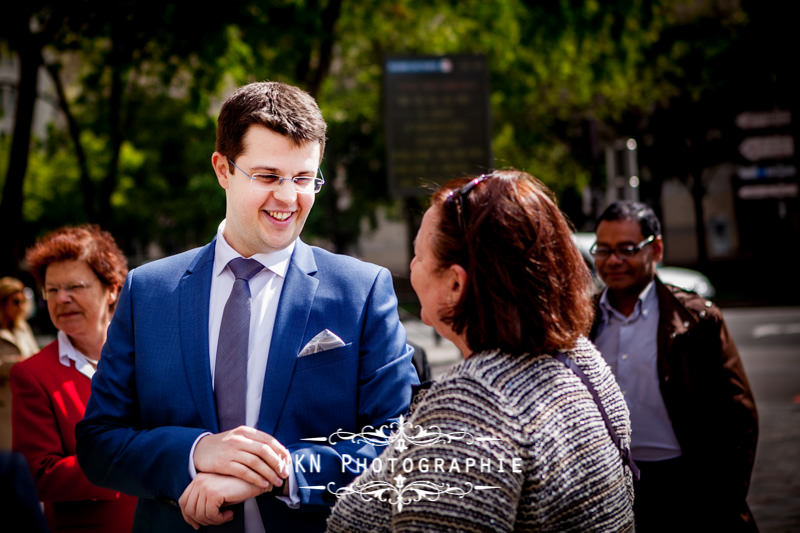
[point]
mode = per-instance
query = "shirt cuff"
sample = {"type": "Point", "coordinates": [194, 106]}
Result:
{"type": "Point", "coordinates": [192, 469]}
{"type": "Point", "coordinates": [293, 499]}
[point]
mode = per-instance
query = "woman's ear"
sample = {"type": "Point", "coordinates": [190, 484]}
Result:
{"type": "Point", "coordinates": [457, 282]}
{"type": "Point", "coordinates": [113, 294]}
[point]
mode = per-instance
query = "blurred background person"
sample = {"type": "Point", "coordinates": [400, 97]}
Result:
{"type": "Point", "coordinates": [496, 273]}
{"type": "Point", "coordinates": [81, 270]}
{"type": "Point", "coordinates": [694, 418]}
{"type": "Point", "coordinates": [16, 343]}
{"type": "Point", "coordinates": [16, 337]}
{"type": "Point", "coordinates": [19, 503]}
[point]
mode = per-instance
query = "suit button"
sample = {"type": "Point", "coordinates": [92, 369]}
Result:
{"type": "Point", "coordinates": [666, 378]}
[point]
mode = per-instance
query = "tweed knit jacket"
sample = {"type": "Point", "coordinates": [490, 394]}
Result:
{"type": "Point", "coordinates": [501, 443]}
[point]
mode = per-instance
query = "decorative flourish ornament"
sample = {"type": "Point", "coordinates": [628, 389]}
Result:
{"type": "Point", "coordinates": [400, 494]}
{"type": "Point", "coordinates": [401, 433]}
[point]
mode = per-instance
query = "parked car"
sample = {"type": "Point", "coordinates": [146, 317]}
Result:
{"type": "Point", "coordinates": [685, 278]}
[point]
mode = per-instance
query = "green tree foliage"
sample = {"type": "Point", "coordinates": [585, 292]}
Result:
{"type": "Point", "coordinates": [143, 81]}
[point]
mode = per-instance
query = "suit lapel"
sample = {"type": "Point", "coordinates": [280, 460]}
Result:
{"type": "Point", "coordinates": [291, 320]}
{"type": "Point", "coordinates": [194, 294]}
{"type": "Point", "coordinates": [673, 321]}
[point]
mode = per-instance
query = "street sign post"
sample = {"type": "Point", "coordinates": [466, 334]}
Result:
{"type": "Point", "coordinates": [750, 120]}
{"type": "Point", "coordinates": [768, 156]}
{"type": "Point", "coordinates": [767, 147]}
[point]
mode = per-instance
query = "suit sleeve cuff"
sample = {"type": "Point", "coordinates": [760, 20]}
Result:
{"type": "Point", "coordinates": [293, 499]}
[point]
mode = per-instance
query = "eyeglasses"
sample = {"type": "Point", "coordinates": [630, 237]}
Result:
{"type": "Point", "coordinates": [72, 289]}
{"type": "Point", "coordinates": [459, 197]}
{"type": "Point", "coordinates": [626, 250]}
{"type": "Point", "coordinates": [271, 182]}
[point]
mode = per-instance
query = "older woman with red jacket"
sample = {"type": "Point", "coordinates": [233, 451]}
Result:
{"type": "Point", "coordinates": [81, 270]}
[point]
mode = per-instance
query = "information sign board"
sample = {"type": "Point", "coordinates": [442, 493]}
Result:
{"type": "Point", "coordinates": [437, 120]}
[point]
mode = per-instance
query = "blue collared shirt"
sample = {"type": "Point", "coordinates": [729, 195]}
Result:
{"type": "Point", "coordinates": [629, 344]}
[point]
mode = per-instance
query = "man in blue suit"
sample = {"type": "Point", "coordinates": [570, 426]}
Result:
{"type": "Point", "coordinates": [324, 350]}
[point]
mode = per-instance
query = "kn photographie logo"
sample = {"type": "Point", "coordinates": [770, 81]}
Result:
{"type": "Point", "coordinates": [403, 436]}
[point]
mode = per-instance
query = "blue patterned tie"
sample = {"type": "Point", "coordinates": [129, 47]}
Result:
{"type": "Point", "coordinates": [230, 372]}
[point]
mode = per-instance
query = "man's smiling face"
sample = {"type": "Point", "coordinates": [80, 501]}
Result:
{"type": "Point", "coordinates": [258, 220]}
{"type": "Point", "coordinates": [621, 273]}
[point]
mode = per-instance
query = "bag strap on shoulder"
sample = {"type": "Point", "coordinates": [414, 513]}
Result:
{"type": "Point", "coordinates": [624, 450]}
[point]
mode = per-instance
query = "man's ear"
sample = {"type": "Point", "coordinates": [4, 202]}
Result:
{"type": "Point", "coordinates": [457, 282]}
{"type": "Point", "coordinates": [221, 169]}
{"type": "Point", "coordinates": [658, 249]}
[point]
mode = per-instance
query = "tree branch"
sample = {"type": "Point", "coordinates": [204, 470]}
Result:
{"type": "Point", "coordinates": [87, 189]}
{"type": "Point", "coordinates": [330, 16]}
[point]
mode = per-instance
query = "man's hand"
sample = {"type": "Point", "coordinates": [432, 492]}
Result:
{"type": "Point", "coordinates": [201, 500]}
{"type": "Point", "coordinates": [244, 453]}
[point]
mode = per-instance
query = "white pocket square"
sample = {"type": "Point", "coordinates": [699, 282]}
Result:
{"type": "Point", "coordinates": [322, 341]}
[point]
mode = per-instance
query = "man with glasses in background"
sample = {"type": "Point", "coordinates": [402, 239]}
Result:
{"type": "Point", "coordinates": [228, 367]}
{"type": "Point", "coordinates": [693, 418]}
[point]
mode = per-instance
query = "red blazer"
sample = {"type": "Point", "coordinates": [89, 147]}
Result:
{"type": "Point", "coordinates": [48, 399]}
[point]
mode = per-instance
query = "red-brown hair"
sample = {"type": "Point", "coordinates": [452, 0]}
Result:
{"type": "Point", "coordinates": [82, 243]}
{"type": "Point", "coordinates": [526, 281]}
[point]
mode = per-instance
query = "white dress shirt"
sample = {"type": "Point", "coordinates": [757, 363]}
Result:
{"type": "Point", "coordinates": [265, 292]}
{"type": "Point", "coordinates": [68, 353]}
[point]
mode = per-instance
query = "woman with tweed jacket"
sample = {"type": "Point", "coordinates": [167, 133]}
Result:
{"type": "Point", "coordinates": [512, 438]}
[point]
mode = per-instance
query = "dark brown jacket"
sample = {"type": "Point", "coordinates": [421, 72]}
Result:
{"type": "Point", "coordinates": [709, 402]}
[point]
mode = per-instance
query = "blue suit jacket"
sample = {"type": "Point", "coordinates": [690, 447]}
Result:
{"type": "Point", "coordinates": [152, 394]}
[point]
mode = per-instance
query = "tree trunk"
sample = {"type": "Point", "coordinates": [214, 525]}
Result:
{"type": "Point", "coordinates": [87, 190]}
{"type": "Point", "coordinates": [111, 179]}
{"type": "Point", "coordinates": [11, 239]}
{"type": "Point", "coordinates": [330, 16]}
{"type": "Point", "coordinates": [698, 193]}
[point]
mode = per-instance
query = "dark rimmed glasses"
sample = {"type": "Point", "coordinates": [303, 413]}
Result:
{"type": "Point", "coordinates": [271, 182]}
{"type": "Point", "coordinates": [626, 250]}
{"type": "Point", "coordinates": [459, 198]}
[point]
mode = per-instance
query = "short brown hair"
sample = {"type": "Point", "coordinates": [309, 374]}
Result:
{"type": "Point", "coordinates": [81, 243]}
{"type": "Point", "coordinates": [284, 109]}
{"type": "Point", "coordinates": [526, 281]}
